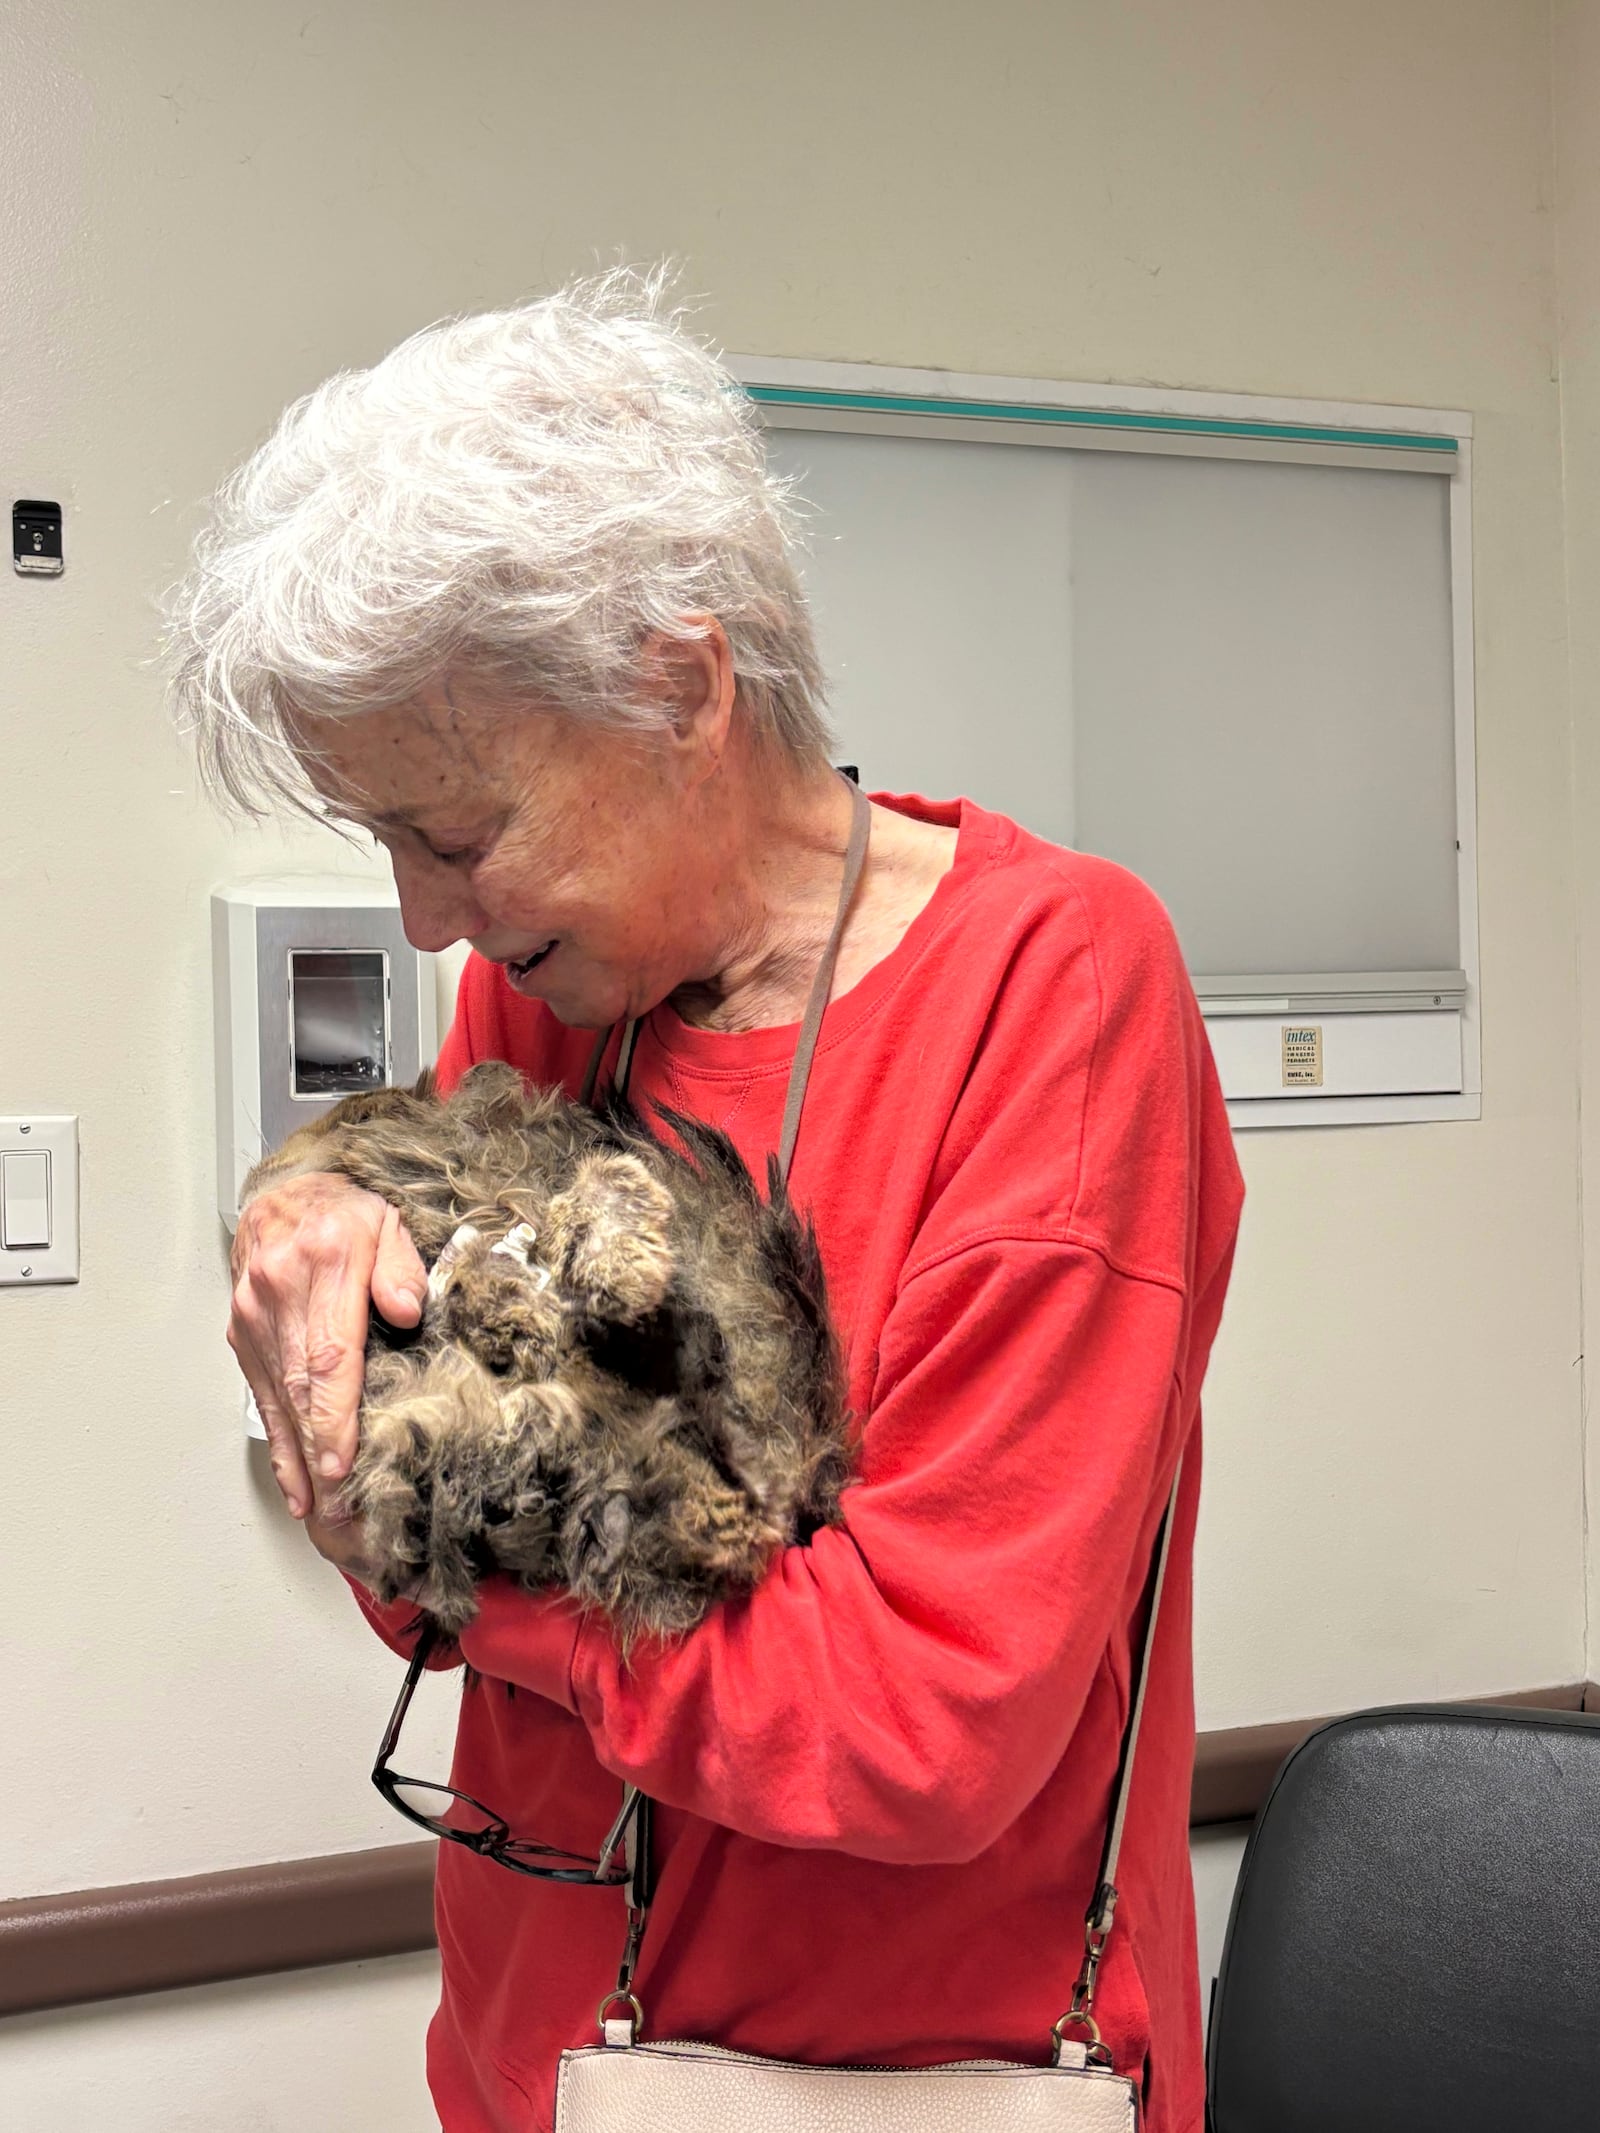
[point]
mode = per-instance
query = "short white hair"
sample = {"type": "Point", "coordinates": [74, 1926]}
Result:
{"type": "Point", "coordinates": [518, 499]}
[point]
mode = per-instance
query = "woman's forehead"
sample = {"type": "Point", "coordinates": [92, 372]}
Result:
{"type": "Point", "coordinates": [437, 756]}
{"type": "Point", "coordinates": [411, 758]}
{"type": "Point", "coordinates": [385, 762]}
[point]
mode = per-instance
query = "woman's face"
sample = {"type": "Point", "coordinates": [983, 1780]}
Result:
{"type": "Point", "coordinates": [570, 854]}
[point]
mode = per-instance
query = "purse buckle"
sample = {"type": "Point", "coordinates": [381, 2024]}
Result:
{"type": "Point", "coordinates": [620, 2031]}
{"type": "Point", "coordinates": [1079, 2014]}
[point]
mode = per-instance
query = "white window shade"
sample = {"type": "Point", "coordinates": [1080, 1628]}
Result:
{"type": "Point", "coordinates": [1265, 707]}
{"type": "Point", "coordinates": [1241, 676]}
{"type": "Point", "coordinates": [1231, 676]}
{"type": "Point", "coordinates": [940, 579]}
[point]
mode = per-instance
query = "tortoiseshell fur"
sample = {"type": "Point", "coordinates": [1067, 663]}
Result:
{"type": "Point", "coordinates": [639, 1409]}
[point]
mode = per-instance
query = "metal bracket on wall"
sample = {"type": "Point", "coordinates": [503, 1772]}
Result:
{"type": "Point", "coordinates": [36, 537]}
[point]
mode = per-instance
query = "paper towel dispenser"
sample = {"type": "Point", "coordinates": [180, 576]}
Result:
{"type": "Point", "coordinates": [318, 994]}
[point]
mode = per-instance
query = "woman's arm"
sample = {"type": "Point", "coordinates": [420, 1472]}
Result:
{"type": "Point", "coordinates": [902, 1688]}
{"type": "Point", "coordinates": [400, 1623]}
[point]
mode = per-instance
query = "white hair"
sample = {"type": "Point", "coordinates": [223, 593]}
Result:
{"type": "Point", "coordinates": [518, 499]}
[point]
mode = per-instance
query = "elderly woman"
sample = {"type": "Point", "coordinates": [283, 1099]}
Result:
{"type": "Point", "coordinates": [521, 601]}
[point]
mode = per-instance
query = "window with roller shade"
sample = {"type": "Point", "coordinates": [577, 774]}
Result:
{"type": "Point", "coordinates": [1229, 654]}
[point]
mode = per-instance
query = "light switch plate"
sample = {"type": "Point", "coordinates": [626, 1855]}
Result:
{"type": "Point", "coordinates": [31, 1266]}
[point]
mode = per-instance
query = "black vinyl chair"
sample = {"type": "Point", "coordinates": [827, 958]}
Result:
{"type": "Point", "coordinates": [1415, 1936]}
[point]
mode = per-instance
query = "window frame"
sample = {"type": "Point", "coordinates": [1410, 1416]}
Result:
{"type": "Point", "coordinates": [793, 393]}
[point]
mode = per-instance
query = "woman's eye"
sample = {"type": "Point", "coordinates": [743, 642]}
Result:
{"type": "Point", "coordinates": [459, 855]}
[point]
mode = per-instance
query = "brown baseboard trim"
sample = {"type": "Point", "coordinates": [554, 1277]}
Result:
{"type": "Point", "coordinates": [102, 1944]}
{"type": "Point", "coordinates": [1234, 1769]}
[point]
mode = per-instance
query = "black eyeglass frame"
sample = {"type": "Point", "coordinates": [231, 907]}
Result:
{"type": "Point", "coordinates": [618, 1863]}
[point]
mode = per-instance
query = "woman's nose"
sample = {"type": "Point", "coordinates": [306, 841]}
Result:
{"type": "Point", "coordinates": [437, 906]}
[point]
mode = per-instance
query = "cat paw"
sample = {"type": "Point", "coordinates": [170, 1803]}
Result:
{"type": "Point", "coordinates": [495, 1301]}
{"type": "Point", "coordinates": [389, 1486]}
{"type": "Point", "coordinates": [459, 1476]}
{"type": "Point", "coordinates": [431, 1439]}
{"type": "Point", "coordinates": [608, 1237]}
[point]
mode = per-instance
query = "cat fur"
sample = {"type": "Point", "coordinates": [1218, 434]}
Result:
{"type": "Point", "coordinates": [638, 1402]}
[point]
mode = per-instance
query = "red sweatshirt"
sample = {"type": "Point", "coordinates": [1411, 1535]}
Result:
{"type": "Point", "coordinates": [885, 1776]}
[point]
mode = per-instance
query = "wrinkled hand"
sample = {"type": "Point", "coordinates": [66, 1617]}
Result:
{"type": "Point", "coordinates": [309, 1259]}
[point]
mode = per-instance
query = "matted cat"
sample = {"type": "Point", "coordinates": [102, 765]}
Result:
{"type": "Point", "coordinates": [625, 1382]}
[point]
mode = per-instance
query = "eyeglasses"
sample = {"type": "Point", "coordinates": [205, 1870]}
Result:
{"type": "Point", "coordinates": [460, 1819]}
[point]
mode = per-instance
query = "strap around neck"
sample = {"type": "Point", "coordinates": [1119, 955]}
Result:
{"type": "Point", "coordinates": [637, 1807]}
{"type": "Point", "coordinates": [855, 859]}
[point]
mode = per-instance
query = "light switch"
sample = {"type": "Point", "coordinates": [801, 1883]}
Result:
{"type": "Point", "coordinates": [25, 1201]}
{"type": "Point", "coordinates": [38, 1200]}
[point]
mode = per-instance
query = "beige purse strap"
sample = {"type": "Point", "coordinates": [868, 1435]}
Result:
{"type": "Point", "coordinates": [636, 1806]}
{"type": "Point", "coordinates": [636, 1809]}
{"type": "Point", "coordinates": [1102, 1910]}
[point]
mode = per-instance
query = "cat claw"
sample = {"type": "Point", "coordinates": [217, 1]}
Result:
{"type": "Point", "coordinates": [518, 1244]}
{"type": "Point", "coordinates": [439, 1274]}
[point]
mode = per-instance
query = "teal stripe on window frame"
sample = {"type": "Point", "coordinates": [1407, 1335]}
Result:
{"type": "Point", "coordinates": [1097, 418]}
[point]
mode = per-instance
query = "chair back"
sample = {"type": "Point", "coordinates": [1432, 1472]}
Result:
{"type": "Point", "coordinates": [1414, 1945]}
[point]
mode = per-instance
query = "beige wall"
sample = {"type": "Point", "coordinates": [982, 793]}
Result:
{"type": "Point", "coordinates": [205, 205]}
{"type": "Point", "coordinates": [317, 2051]}
{"type": "Point", "coordinates": [1577, 134]}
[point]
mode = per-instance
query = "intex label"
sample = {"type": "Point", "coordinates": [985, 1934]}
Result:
{"type": "Point", "coordinates": [1302, 1055]}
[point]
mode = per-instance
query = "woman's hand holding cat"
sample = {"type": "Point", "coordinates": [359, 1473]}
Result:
{"type": "Point", "coordinates": [309, 1258]}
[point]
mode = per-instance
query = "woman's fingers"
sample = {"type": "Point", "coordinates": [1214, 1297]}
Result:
{"type": "Point", "coordinates": [399, 1279]}
{"type": "Point", "coordinates": [327, 1390]}
{"type": "Point", "coordinates": [304, 1256]}
{"type": "Point", "coordinates": [325, 1277]}
{"type": "Point", "coordinates": [283, 1442]}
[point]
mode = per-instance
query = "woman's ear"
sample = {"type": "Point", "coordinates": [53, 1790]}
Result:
{"type": "Point", "coordinates": [692, 679]}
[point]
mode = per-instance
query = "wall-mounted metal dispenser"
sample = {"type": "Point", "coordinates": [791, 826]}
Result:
{"type": "Point", "coordinates": [317, 993]}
